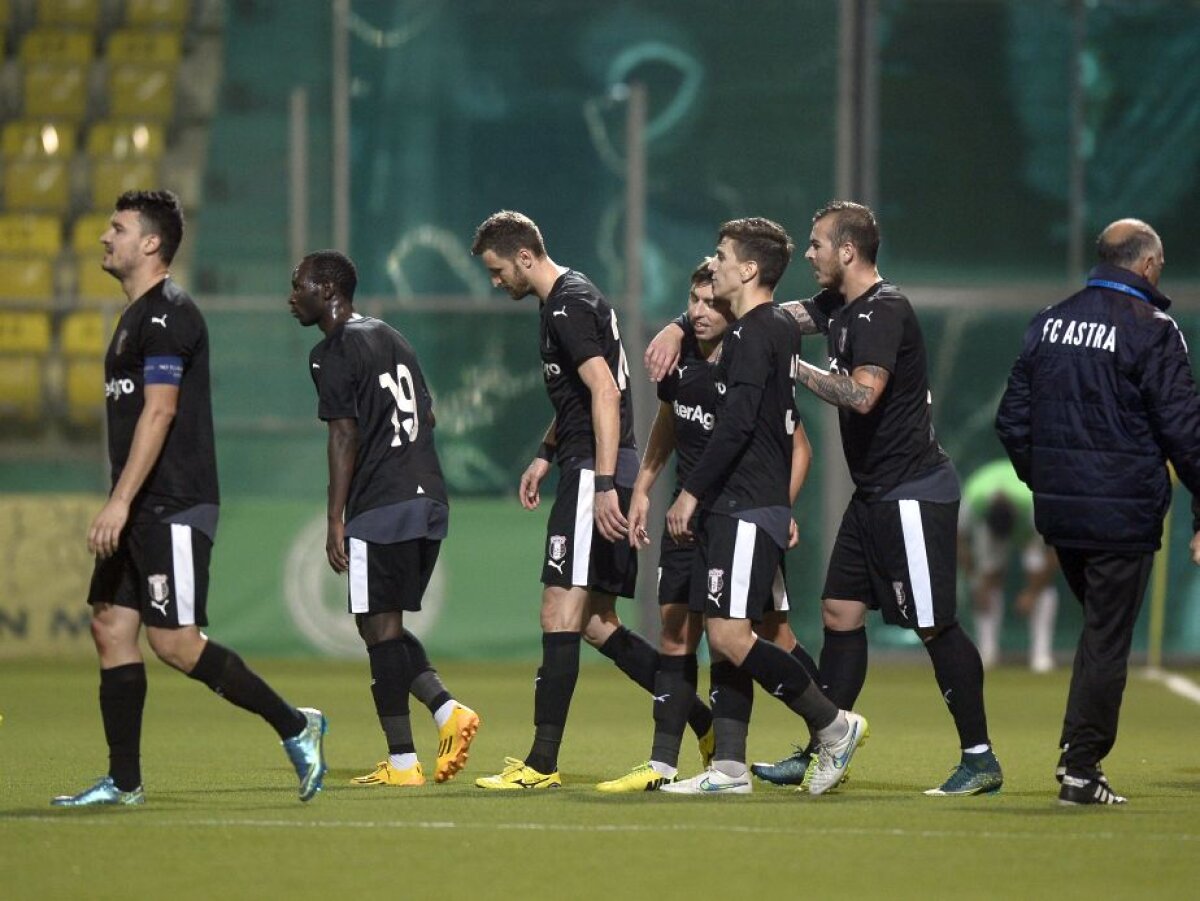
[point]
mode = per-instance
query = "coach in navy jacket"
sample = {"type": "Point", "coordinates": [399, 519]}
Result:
{"type": "Point", "coordinates": [1100, 398]}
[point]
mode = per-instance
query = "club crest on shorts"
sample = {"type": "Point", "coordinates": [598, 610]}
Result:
{"type": "Point", "coordinates": [716, 584]}
{"type": "Point", "coordinates": [160, 592]}
{"type": "Point", "coordinates": [558, 552]}
{"type": "Point", "coordinates": [901, 600]}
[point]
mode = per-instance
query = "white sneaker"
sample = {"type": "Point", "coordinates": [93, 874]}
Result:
{"type": "Point", "coordinates": [831, 763]}
{"type": "Point", "coordinates": [711, 782]}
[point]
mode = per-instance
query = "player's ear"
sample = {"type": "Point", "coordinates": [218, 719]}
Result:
{"type": "Point", "coordinates": [150, 243]}
{"type": "Point", "coordinates": [749, 270]}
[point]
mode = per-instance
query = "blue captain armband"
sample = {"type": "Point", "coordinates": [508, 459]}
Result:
{"type": "Point", "coordinates": [163, 371]}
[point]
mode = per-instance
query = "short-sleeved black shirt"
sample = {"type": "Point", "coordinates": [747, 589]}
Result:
{"type": "Point", "coordinates": [161, 339]}
{"type": "Point", "coordinates": [365, 370]}
{"type": "Point", "coordinates": [691, 391]}
{"type": "Point", "coordinates": [745, 471]}
{"type": "Point", "coordinates": [895, 442]}
{"type": "Point", "coordinates": [577, 324]}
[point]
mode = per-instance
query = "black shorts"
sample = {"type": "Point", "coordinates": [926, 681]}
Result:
{"type": "Point", "coordinates": [577, 556]}
{"type": "Point", "coordinates": [160, 570]}
{"type": "Point", "coordinates": [390, 577]}
{"type": "Point", "coordinates": [737, 572]}
{"type": "Point", "coordinates": [674, 571]}
{"type": "Point", "coordinates": [898, 557]}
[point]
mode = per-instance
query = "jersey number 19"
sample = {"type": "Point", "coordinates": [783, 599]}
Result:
{"type": "Point", "coordinates": [402, 391]}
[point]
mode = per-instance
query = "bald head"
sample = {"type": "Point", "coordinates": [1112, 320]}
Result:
{"type": "Point", "coordinates": [1132, 244]}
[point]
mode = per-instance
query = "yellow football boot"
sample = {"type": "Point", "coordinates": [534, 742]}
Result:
{"type": "Point", "coordinates": [386, 774]}
{"type": "Point", "coordinates": [454, 740]}
{"type": "Point", "coordinates": [642, 778]}
{"type": "Point", "coordinates": [516, 775]}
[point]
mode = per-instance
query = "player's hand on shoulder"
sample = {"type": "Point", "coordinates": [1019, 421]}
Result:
{"type": "Point", "coordinates": [662, 354]}
{"type": "Point", "coordinates": [793, 534]}
{"type": "Point", "coordinates": [1196, 549]}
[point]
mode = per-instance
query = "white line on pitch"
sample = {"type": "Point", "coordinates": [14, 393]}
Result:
{"type": "Point", "coordinates": [598, 827]}
{"type": "Point", "coordinates": [1180, 685]}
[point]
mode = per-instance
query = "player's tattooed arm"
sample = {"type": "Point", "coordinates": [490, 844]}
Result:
{"type": "Point", "coordinates": [798, 311]}
{"type": "Point", "coordinates": [859, 391]}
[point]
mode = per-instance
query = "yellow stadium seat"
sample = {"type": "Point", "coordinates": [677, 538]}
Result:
{"type": "Point", "coordinates": [71, 13]}
{"type": "Point", "coordinates": [5, 13]}
{"type": "Point", "coordinates": [26, 279]}
{"type": "Point", "coordinates": [85, 391]}
{"type": "Point", "coordinates": [24, 332]}
{"type": "Point", "coordinates": [112, 178]}
{"type": "Point", "coordinates": [141, 92]}
{"type": "Point", "coordinates": [57, 45]}
{"type": "Point", "coordinates": [55, 91]}
{"type": "Point", "coordinates": [25, 234]}
{"type": "Point", "coordinates": [94, 285]}
{"type": "Point", "coordinates": [124, 140]}
{"type": "Point", "coordinates": [29, 138]}
{"type": "Point", "coordinates": [86, 232]}
{"type": "Point", "coordinates": [145, 47]}
{"type": "Point", "coordinates": [37, 185]}
{"type": "Point", "coordinates": [157, 13]}
{"type": "Point", "coordinates": [21, 380]}
{"type": "Point", "coordinates": [86, 333]}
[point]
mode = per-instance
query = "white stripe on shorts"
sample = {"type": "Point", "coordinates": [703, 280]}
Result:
{"type": "Point", "coordinates": [743, 566]}
{"type": "Point", "coordinates": [360, 599]}
{"type": "Point", "coordinates": [779, 591]}
{"type": "Point", "coordinates": [581, 541]}
{"type": "Point", "coordinates": [184, 574]}
{"type": "Point", "coordinates": [918, 560]}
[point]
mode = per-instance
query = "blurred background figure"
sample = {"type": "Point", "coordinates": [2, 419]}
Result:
{"type": "Point", "coordinates": [995, 522]}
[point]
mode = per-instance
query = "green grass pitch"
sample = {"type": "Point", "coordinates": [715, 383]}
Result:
{"type": "Point", "coordinates": [222, 820]}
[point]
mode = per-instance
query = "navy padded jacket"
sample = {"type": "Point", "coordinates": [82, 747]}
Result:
{"type": "Point", "coordinates": [1100, 397]}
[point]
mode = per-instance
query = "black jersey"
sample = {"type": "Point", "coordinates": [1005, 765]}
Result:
{"type": "Point", "coordinates": [577, 324]}
{"type": "Point", "coordinates": [691, 391]}
{"type": "Point", "coordinates": [365, 370]}
{"type": "Point", "coordinates": [745, 471]}
{"type": "Point", "coordinates": [895, 442]}
{"type": "Point", "coordinates": [161, 339]}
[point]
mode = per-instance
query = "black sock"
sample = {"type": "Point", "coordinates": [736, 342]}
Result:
{"type": "Point", "coordinates": [959, 673]}
{"type": "Point", "coordinates": [806, 661]}
{"type": "Point", "coordinates": [122, 699]}
{"type": "Point", "coordinates": [699, 716]}
{"type": "Point", "coordinates": [673, 697]}
{"type": "Point", "coordinates": [391, 677]}
{"type": "Point", "coordinates": [782, 676]}
{"type": "Point", "coordinates": [732, 700]}
{"type": "Point", "coordinates": [844, 666]}
{"type": "Point", "coordinates": [427, 685]}
{"type": "Point", "coordinates": [227, 674]}
{"type": "Point", "coordinates": [552, 697]}
{"type": "Point", "coordinates": [633, 655]}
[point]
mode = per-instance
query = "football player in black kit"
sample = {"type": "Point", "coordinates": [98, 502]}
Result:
{"type": "Point", "coordinates": [153, 537]}
{"type": "Point", "coordinates": [387, 508]}
{"type": "Point", "coordinates": [588, 559]}
{"type": "Point", "coordinates": [742, 483]}
{"type": "Point", "coordinates": [896, 548]}
{"type": "Point", "coordinates": [685, 420]}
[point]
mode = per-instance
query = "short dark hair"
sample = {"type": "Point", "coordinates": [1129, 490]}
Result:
{"type": "Point", "coordinates": [1140, 241]}
{"type": "Point", "coordinates": [763, 241]}
{"type": "Point", "coordinates": [702, 275]}
{"type": "Point", "coordinates": [506, 233]}
{"type": "Point", "coordinates": [160, 214]}
{"type": "Point", "coordinates": [854, 224]}
{"type": "Point", "coordinates": [332, 267]}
